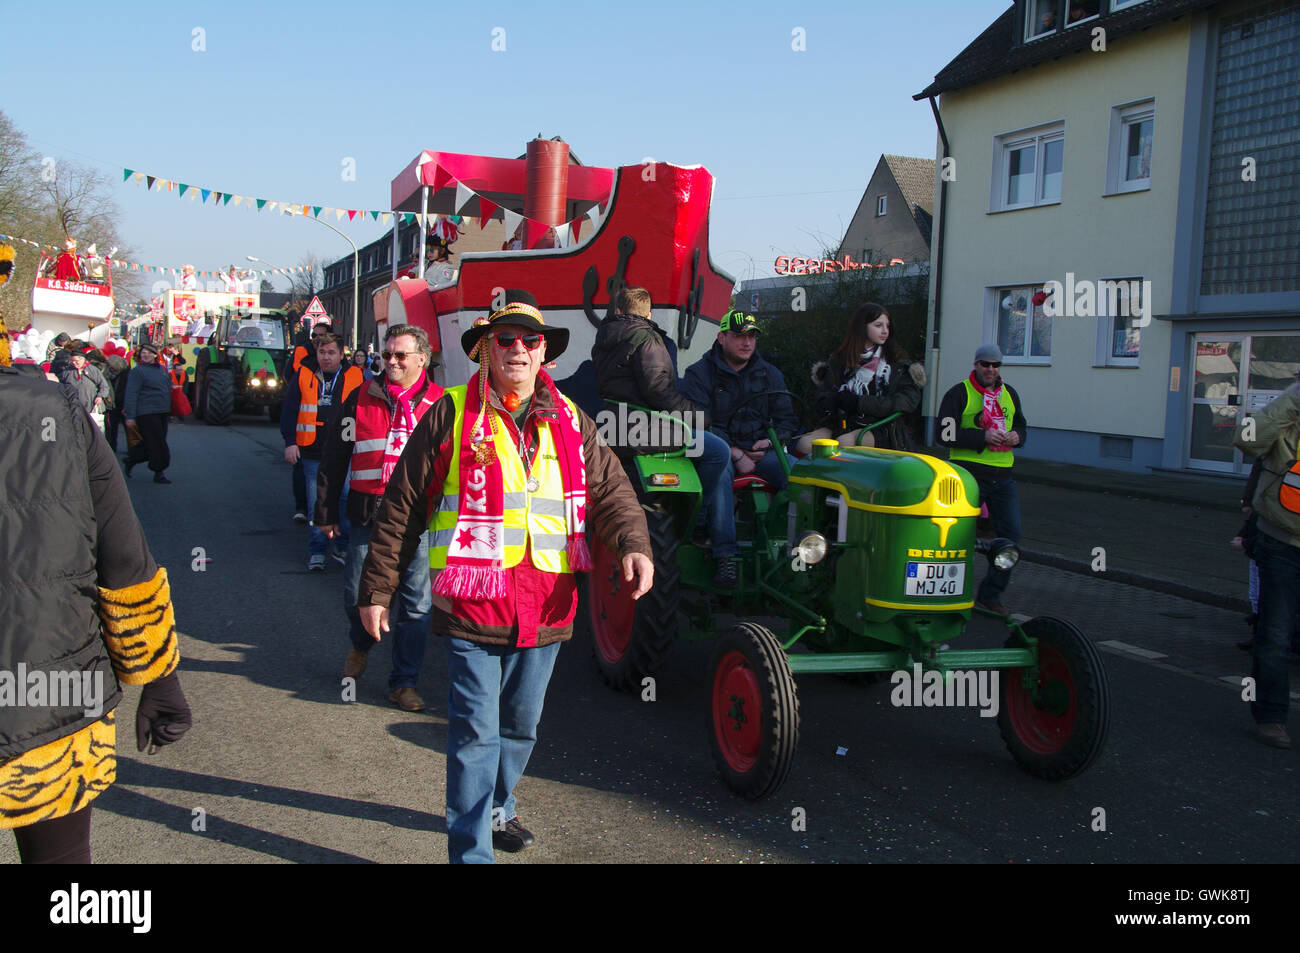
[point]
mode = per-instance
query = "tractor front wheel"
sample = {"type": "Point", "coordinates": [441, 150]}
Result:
{"type": "Point", "coordinates": [754, 711]}
{"type": "Point", "coordinates": [219, 396]}
{"type": "Point", "coordinates": [1056, 728]}
{"type": "Point", "coordinates": [630, 639]}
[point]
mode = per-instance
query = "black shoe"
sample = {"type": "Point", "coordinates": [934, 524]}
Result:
{"type": "Point", "coordinates": [727, 575]}
{"type": "Point", "coordinates": [700, 537]}
{"type": "Point", "coordinates": [513, 837]}
{"type": "Point", "coordinates": [127, 468]}
{"type": "Point", "coordinates": [160, 478]}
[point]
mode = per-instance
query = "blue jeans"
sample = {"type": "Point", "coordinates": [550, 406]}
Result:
{"type": "Point", "coordinates": [408, 613]}
{"type": "Point", "coordinates": [1004, 509]}
{"type": "Point", "coordinates": [494, 706]}
{"type": "Point", "coordinates": [317, 540]}
{"type": "Point", "coordinates": [1279, 597]}
{"type": "Point", "coordinates": [769, 468]}
{"type": "Point", "coordinates": [716, 474]}
{"type": "Point", "coordinates": [300, 489]}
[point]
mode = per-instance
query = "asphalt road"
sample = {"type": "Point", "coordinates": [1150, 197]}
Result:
{"type": "Point", "coordinates": [283, 770]}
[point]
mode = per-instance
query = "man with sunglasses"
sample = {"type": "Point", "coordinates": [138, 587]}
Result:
{"type": "Point", "coordinates": [511, 477]}
{"type": "Point", "coordinates": [383, 414]}
{"type": "Point", "coordinates": [982, 421]}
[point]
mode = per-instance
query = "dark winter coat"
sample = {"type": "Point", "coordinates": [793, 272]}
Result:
{"type": "Point", "coordinates": [741, 403]}
{"type": "Point", "coordinates": [902, 395]}
{"type": "Point", "coordinates": [148, 391]}
{"type": "Point", "coordinates": [633, 365]}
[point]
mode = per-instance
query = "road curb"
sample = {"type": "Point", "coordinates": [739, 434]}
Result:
{"type": "Point", "coordinates": [1141, 493]}
{"type": "Point", "coordinates": [1154, 583]}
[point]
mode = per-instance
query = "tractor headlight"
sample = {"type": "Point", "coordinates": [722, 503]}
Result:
{"type": "Point", "coordinates": [255, 382]}
{"type": "Point", "coordinates": [1003, 554]}
{"type": "Point", "coordinates": [811, 547]}
{"type": "Point", "coordinates": [272, 382]}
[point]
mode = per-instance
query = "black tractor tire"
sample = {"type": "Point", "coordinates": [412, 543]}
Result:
{"type": "Point", "coordinates": [753, 711]}
{"type": "Point", "coordinates": [219, 405]}
{"type": "Point", "coordinates": [631, 639]}
{"type": "Point", "coordinates": [1061, 736]}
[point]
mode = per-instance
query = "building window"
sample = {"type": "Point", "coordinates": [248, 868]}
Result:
{"type": "Point", "coordinates": [880, 205]}
{"type": "Point", "coordinates": [1121, 304]}
{"type": "Point", "coordinates": [1132, 132]}
{"type": "Point", "coordinates": [1022, 330]}
{"type": "Point", "coordinates": [1028, 168]}
{"type": "Point", "coordinates": [1076, 11]}
{"type": "Point", "coordinates": [1122, 4]}
{"type": "Point", "coordinates": [1040, 18]}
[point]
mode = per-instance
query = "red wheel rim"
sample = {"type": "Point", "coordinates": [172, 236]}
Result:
{"type": "Point", "coordinates": [612, 608]}
{"type": "Point", "coordinates": [1043, 731]}
{"type": "Point", "coordinates": [737, 712]}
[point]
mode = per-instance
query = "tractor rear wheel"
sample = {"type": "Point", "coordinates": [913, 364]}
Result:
{"type": "Point", "coordinates": [630, 639]}
{"type": "Point", "coordinates": [754, 711]}
{"type": "Point", "coordinates": [219, 396]}
{"type": "Point", "coordinates": [1058, 735]}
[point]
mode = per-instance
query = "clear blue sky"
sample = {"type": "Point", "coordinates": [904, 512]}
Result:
{"type": "Point", "coordinates": [284, 92]}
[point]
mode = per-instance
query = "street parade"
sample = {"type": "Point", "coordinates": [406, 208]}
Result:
{"type": "Point", "coordinates": [736, 482]}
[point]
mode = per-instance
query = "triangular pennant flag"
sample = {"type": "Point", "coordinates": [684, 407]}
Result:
{"type": "Point", "coordinates": [562, 235]}
{"type": "Point", "coordinates": [338, 214]}
{"type": "Point", "coordinates": [164, 184]}
{"type": "Point", "coordinates": [127, 173]}
{"type": "Point", "coordinates": [440, 178]}
{"type": "Point", "coordinates": [272, 205]}
{"type": "Point", "coordinates": [183, 187]}
{"type": "Point", "coordinates": [576, 225]}
{"type": "Point", "coordinates": [593, 213]}
{"type": "Point", "coordinates": [352, 213]}
{"type": "Point", "coordinates": [194, 193]}
{"type": "Point", "coordinates": [456, 219]}
{"type": "Point", "coordinates": [260, 203]}
{"type": "Point", "coordinates": [408, 218]}
{"type": "Point", "coordinates": [239, 199]}
{"type": "Point", "coordinates": [485, 209]}
{"type": "Point", "coordinates": [315, 210]}
{"type": "Point", "coordinates": [536, 232]}
{"type": "Point", "coordinates": [384, 217]}
{"type": "Point", "coordinates": [151, 180]}
{"type": "Point", "coordinates": [512, 222]}
{"type": "Point", "coordinates": [206, 193]}
{"type": "Point", "coordinates": [374, 216]}
{"type": "Point", "coordinates": [139, 177]}
{"type": "Point", "coordinates": [225, 199]}
{"type": "Point", "coordinates": [463, 195]}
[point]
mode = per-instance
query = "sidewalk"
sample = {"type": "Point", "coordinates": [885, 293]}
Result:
{"type": "Point", "coordinates": [1162, 530]}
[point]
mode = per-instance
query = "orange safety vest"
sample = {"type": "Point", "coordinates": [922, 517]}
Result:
{"type": "Point", "coordinates": [177, 374]}
{"type": "Point", "coordinates": [309, 396]}
{"type": "Point", "coordinates": [299, 355]}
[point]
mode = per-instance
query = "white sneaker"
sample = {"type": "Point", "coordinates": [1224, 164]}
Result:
{"type": "Point", "coordinates": [316, 563]}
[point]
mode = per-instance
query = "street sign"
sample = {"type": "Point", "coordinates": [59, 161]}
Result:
{"type": "Point", "coordinates": [315, 309]}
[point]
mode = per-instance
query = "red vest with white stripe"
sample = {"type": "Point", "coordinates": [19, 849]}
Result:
{"type": "Point", "coordinates": [374, 419]}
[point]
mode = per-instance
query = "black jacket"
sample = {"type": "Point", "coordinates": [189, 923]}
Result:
{"type": "Point", "coordinates": [902, 395]}
{"type": "Point", "coordinates": [68, 528]}
{"type": "Point", "coordinates": [741, 403]}
{"type": "Point", "coordinates": [633, 365]}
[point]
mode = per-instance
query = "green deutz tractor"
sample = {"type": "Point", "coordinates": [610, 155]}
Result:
{"type": "Point", "coordinates": [869, 557]}
{"type": "Point", "coordinates": [238, 370]}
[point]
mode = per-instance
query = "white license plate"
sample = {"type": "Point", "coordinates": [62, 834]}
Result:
{"type": "Point", "coordinates": [935, 579]}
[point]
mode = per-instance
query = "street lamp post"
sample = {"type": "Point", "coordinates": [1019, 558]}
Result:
{"type": "Point", "coordinates": [356, 270]}
{"type": "Point", "coordinates": [273, 267]}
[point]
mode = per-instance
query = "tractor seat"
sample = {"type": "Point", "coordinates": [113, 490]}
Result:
{"type": "Point", "coordinates": [752, 482]}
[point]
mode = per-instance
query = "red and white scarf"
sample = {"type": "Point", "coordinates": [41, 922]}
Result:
{"type": "Point", "coordinates": [476, 553]}
{"type": "Point", "coordinates": [399, 430]}
{"type": "Point", "coordinates": [991, 416]}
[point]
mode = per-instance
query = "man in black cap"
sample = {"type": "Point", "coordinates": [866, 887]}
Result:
{"type": "Point", "coordinates": [982, 420]}
{"type": "Point", "coordinates": [519, 473]}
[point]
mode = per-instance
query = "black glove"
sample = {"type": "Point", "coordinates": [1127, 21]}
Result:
{"type": "Point", "coordinates": [163, 715]}
{"type": "Point", "coordinates": [846, 401]}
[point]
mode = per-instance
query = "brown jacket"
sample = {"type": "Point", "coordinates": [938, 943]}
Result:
{"type": "Point", "coordinates": [613, 513]}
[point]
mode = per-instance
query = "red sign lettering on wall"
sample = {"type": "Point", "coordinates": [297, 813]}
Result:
{"type": "Point", "coordinates": [785, 265]}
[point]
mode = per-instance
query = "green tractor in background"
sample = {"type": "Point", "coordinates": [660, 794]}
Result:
{"type": "Point", "coordinates": [238, 371]}
{"type": "Point", "coordinates": [867, 562]}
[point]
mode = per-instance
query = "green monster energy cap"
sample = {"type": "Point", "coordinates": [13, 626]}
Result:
{"type": "Point", "coordinates": [739, 322]}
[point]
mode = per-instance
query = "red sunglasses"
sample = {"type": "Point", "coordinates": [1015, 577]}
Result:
{"type": "Point", "coordinates": [506, 340]}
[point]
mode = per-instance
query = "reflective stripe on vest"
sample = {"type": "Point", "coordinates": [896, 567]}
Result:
{"type": "Point", "coordinates": [530, 519]}
{"type": "Point", "coordinates": [970, 416]}
{"type": "Point", "coordinates": [374, 418]}
{"type": "Point", "coordinates": [309, 389]}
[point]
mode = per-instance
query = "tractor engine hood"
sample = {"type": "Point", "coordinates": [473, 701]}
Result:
{"type": "Point", "coordinates": [890, 481]}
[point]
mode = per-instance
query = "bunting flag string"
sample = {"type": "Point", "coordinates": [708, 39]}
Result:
{"type": "Point", "coordinates": [164, 269]}
{"type": "Point", "coordinates": [530, 235]}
